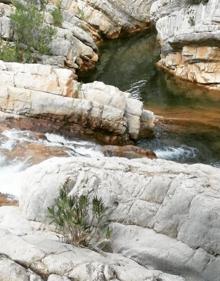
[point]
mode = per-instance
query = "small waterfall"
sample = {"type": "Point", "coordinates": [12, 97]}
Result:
{"type": "Point", "coordinates": [9, 176]}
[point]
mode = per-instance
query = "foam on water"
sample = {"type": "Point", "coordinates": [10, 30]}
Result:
{"type": "Point", "coordinates": [8, 145]}
{"type": "Point", "coordinates": [15, 134]}
{"type": "Point", "coordinates": [76, 147]}
{"type": "Point", "coordinates": [61, 140]}
{"type": "Point", "coordinates": [10, 176]}
{"type": "Point", "coordinates": [136, 88]}
{"type": "Point", "coordinates": [10, 170]}
{"type": "Point", "coordinates": [177, 153]}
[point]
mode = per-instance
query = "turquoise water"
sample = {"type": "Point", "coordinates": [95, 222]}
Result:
{"type": "Point", "coordinates": [189, 130]}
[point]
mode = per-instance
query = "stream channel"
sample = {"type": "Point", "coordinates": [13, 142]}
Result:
{"type": "Point", "coordinates": [188, 130]}
{"type": "Point", "coordinates": [189, 126]}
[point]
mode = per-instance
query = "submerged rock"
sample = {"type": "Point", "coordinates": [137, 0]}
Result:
{"type": "Point", "coordinates": [164, 214]}
{"type": "Point", "coordinates": [128, 151]}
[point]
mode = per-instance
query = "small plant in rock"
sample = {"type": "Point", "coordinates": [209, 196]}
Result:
{"type": "Point", "coordinates": [8, 52]}
{"type": "Point", "coordinates": [81, 13]}
{"type": "Point", "coordinates": [82, 222]}
{"type": "Point", "coordinates": [57, 15]}
{"type": "Point", "coordinates": [31, 34]}
{"type": "Point", "coordinates": [79, 89]}
{"type": "Point", "coordinates": [191, 21]}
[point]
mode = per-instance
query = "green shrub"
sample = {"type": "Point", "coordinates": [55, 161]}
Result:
{"type": "Point", "coordinates": [57, 16]}
{"type": "Point", "coordinates": [191, 21]}
{"type": "Point", "coordinates": [197, 2]}
{"type": "Point", "coordinates": [8, 52]}
{"type": "Point", "coordinates": [81, 222]}
{"type": "Point", "coordinates": [29, 28]}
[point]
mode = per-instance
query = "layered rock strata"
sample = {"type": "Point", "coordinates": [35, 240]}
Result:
{"type": "Point", "coordinates": [189, 34]}
{"type": "Point", "coordinates": [111, 18]}
{"type": "Point", "coordinates": [47, 92]}
{"type": "Point", "coordinates": [84, 24]}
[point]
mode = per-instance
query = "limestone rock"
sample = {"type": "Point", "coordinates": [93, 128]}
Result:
{"type": "Point", "coordinates": [84, 23]}
{"type": "Point", "coordinates": [12, 271]}
{"type": "Point", "coordinates": [112, 17]}
{"type": "Point", "coordinates": [196, 64]}
{"type": "Point", "coordinates": [172, 208]}
{"type": "Point", "coordinates": [189, 36]}
{"type": "Point", "coordinates": [43, 91]}
{"type": "Point", "coordinates": [54, 277]}
{"type": "Point", "coordinates": [132, 108]}
{"type": "Point", "coordinates": [40, 250]}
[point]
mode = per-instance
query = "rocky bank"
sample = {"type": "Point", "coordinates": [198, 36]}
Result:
{"type": "Point", "coordinates": [189, 34]}
{"type": "Point", "coordinates": [85, 23]}
{"type": "Point", "coordinates": [46, 92]}
{"type": "Point", "coordinates": [188, 31]}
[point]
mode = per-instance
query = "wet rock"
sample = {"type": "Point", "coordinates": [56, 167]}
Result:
{"type": "Point", "coordinates": [128, 151]}
{"type": "Point", "coordinates": [6, 200]}
{"type": "Point", "coordinates": [35, 152]}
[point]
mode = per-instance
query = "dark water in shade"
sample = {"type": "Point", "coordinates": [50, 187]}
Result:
{"type": "Point", "coordinates": [190, 128]}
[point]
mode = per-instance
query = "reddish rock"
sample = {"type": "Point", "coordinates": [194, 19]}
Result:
{"type": "Point", "coordinates": [128, 151]}
{"type": "Point", "coordinates": [6, 201]}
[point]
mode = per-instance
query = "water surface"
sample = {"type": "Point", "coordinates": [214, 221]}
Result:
{"type": "Point", "coordinates": [20, 149]}
{"type": "Point", "coordinates": [189, 130]}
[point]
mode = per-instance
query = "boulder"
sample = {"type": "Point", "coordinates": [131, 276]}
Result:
{"type": "Point", "coordinates": [132, 108]}
{"type": "Point", "coordinates": [43, 91]}
{"type": "Point", "coordinates": [38, 254]}
{"type": "Point", "coordinates": [164, 214]}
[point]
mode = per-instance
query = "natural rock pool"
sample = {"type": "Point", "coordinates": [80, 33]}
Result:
{"type": "Point", "coordinates": [189, 127]}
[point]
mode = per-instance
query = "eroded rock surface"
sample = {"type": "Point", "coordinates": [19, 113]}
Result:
{"type": "Point", "coordinates": [29, 251]}
{"type": "Point", "coordinates": [165, 215]}
{"type": "Point", "coordinates": [47, 92]}
{"type": "Point", "coordinates": [189, 35]}
{"type": "Point", "coordinates": [84, 24]}
{"type": "Point", "coordinates": [112, 17]}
